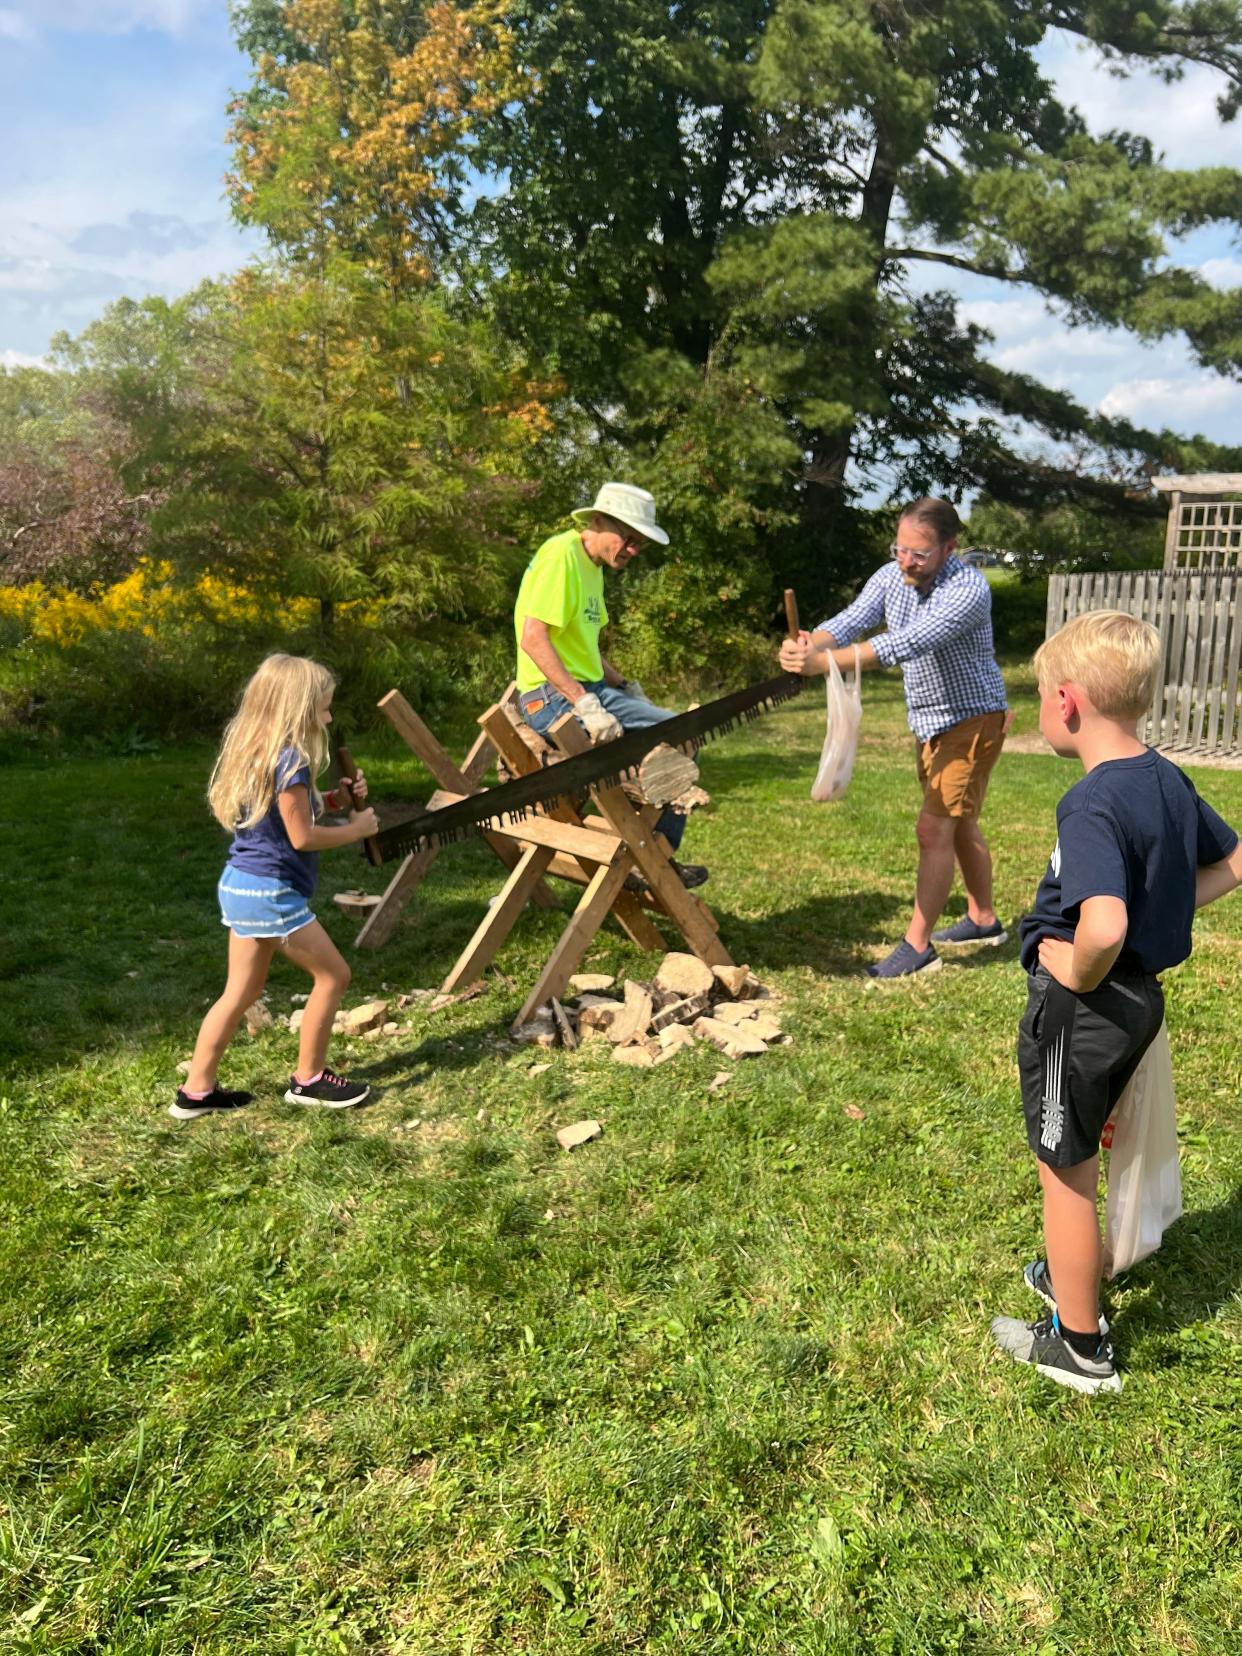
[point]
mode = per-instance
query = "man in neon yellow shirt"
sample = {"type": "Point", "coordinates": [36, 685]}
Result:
{"type": "Point", "coordinates": [557, 621]}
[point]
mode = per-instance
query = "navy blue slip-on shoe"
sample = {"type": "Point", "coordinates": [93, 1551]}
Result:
{"type": "Point", "coordinates": [905, 961]}
{"type": "Point", "coordinates": [967, 930]}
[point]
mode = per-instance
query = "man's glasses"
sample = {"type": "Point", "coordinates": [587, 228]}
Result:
{"type": "Point", "coordinates": [917, 553]}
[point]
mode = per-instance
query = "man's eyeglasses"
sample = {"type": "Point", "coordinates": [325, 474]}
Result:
{"type": "Point", "coordinates": [917, 553]}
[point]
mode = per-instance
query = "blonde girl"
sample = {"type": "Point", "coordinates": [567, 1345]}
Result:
{"type": "Point", "coordinates": [263, 791]}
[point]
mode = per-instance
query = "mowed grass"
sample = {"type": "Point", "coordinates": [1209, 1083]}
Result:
{"type": "Point", "coordinates": [412, 1379]}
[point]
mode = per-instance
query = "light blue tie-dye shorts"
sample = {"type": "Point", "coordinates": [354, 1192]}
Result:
{"type": "Point", "coordinates": [255, 905]}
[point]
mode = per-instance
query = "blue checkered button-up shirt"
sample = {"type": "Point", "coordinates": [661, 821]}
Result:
{"type": "Point", "coordinates": [942, 638]}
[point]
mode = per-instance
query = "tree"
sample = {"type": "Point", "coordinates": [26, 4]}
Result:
{"type": "Point", "coordinates": [65, 512]}
{"type": "Point", "coordinates": [748, 186]}
{"type": "Point", "coordinates": [321, 437]}
{"type": "Point", "coordinates": [350, 140]}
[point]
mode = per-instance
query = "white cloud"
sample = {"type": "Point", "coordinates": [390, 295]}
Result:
{"type": "Point", "coordinates": [1222, 273]}
{"type": "Point", "coordinates": [1187, 404]}
{"type": "Point", "coordinates": [1180, 119]}
{"type": "Point", "coordinates": [20, 359]}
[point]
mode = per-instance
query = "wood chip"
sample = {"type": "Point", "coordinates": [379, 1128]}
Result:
{"type": "Point", "coordinates": [854, 1113]}
{"type": "Point", "coordinates": [681, 1011]}
{"type": "Point", "coordinates": [564, 1027]}
{"type": "Point", "coordinates": [582, 1132]}
{"type": "Point", "coordinates": [733, 1040]}
{"type": "Point", "coordinates": [632, 1020]}
{"type": "Point", "coordinates": [258, 1018]}
{"type": "Point", "coordinates": [370, 1015]}
{"type": "Point", "coordinates": [735, 1012]}
{"type": "Point", "coordinates": [675, 1038]}
{"type": "Point", "coordinates": [641, 1057]}
{"type": "Point", "coordinates": [720, 1079]}
{"type": "Point", "coordinates": [538, 1069]}
{"type": "Point", "coordinates": [732, 979]}
{"type": "Point", "coordinates": [468, 993]}
{"type": "Point", "coordinates": [591, 983]}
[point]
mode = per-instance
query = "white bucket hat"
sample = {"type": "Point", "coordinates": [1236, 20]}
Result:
{"type": "Point", "coordinates": [629, 505]}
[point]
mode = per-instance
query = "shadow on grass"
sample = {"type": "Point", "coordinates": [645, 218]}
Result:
{"type": "Point", "coordinates": [1196, 1270]}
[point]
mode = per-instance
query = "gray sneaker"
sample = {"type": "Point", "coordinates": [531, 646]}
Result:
{"type": "Point", "coordinates": [966, 931]}
{"type": "Point", "coordinates": [1045, 1348]}
{"type": "Point", "coordinates": [1036, 1277]}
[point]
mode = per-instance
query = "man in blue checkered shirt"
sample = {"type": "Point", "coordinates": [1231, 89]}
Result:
{"type": "Point", "coordinates": [937, 612]}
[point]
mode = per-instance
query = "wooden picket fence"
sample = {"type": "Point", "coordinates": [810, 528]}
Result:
{"type": "Point", "coordinates": [1199, 616]}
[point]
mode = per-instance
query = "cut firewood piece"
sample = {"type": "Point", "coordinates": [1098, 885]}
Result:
{"type": "Point", "coordinates": [734, 1040]}
{"type": "Point", "coordinates": [596, 1012]}
{"type": "Point", "coordinates": [539, 1031]}
{"type": "Point", "coordinates": [591, 983]}
{"type": "Point", "coordinates": [665, 774]}
{"type": "Point", "coordinates": [581, 1132]}
{"type": "Point", "coordinates": [640, 1057]}
{"type": "Point", "coordinates": [675, 1038]}
{"type": "Point", "coordinates": [370, 1015]}
{"type": "Point", "coordinates": [633, 1018]}
{"type": "Point", "coordinates": [685, 973]}
{"type": "Point", "coordinates": [764, 1026]}
{"type": "Point", "coordinates": [564, 1026]}
{"type": "Point", "coordinates": [694, 799]}
{"type": "Point", "coordinates": [258, 1018]}
{"type": "Point", "coordinates": [736, 1012]}
{"type": "Point", "coordinates": [682, 1011]}
{"type": "Point", "coordinates": [732, 979]}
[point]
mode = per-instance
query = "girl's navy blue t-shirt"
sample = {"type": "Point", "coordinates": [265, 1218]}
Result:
{"type": "Point", "coordinates": [1134, 829]}
{"type": "Point", "coordinates": [266, 848]}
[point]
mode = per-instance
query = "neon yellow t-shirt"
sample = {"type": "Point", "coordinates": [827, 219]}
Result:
{"type": "Point", "coordinates": [565, 590]}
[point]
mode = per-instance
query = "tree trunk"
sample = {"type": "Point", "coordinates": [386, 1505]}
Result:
{"type": "Point", "coordinates": [327, 613]}
{"type": "Point", "coordinates": [830, 454]}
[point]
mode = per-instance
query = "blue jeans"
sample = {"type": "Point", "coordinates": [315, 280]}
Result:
{"type": "Point", "coordinates": [633, 712]}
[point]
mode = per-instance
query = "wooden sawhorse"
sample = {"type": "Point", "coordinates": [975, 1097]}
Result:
{"type": "Point", "coordinates": [601, 851]}
{"type": "Point", "coordinates": [452, 782]}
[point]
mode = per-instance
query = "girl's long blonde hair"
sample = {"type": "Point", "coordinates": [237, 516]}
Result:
{"type": "Point", "coordinates": [278, 709]}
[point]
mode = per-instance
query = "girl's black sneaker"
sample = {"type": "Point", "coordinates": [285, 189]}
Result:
{"type": "Point", "coordinates": [330, 1092]}
{"type": "Point", "coordinates": [217, 1102]}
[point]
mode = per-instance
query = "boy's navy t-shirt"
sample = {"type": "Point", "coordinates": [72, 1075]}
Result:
{"type": "Point", "coordinates": [266, 848]}
{"type": "Point", "coordinates": [1134, 829]}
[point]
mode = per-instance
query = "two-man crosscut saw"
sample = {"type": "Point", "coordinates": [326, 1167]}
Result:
{"type": "Point", "coordinates": [601, 766]}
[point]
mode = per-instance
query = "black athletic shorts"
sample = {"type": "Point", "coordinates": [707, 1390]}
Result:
{"type": "Point", "coordinates": [1075, 1055]}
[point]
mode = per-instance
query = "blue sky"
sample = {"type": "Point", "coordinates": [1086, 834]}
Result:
{"type": "Point", "coordinates": [114, 153]}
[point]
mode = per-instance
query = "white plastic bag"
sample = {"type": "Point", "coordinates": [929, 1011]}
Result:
{"type": "Point", "coordinates": [836, 762]}
{"type": "Point", "coordinates": [1144, 1176]}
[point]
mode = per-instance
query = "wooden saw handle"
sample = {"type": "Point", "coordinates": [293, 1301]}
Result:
{"type": "Point", "coordinates": [347, 771]}
{"type": "Point", "coordinates": [791, 613]}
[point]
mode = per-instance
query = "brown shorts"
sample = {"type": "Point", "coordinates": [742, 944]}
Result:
{"type": "Point", "coordinates": [954, 767]}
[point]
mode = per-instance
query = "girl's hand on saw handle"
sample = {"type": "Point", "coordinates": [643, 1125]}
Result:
{"type": "Point", "coordinates": [365, 823]}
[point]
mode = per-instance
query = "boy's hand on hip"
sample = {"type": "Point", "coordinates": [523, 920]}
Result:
{"type": "Point", "coordinates": [1057, 957]}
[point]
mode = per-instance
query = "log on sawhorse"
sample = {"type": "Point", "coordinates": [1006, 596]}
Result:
{"type": "Point", "coordinates": [603, 850]}
{"type": "Point", "coordinates": [452, 781]}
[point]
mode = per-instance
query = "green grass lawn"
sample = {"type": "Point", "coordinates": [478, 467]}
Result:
{"type": "Point", "coordinates": [414, 1380]}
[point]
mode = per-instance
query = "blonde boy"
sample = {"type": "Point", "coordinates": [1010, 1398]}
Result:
{"type": "Point", "coordinates": [1137, 852]}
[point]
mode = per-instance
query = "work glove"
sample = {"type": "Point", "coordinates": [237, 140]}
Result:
{"type": "Point", "coordinates": [596, 720]}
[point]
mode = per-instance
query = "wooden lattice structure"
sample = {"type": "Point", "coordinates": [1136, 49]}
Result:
{"type": "Point", "coordinates": [1195, 602]}
{"type": "Point", "coordinates": [1198, 614]}
{"type": "Point", "coordinates": [1205, 521]}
